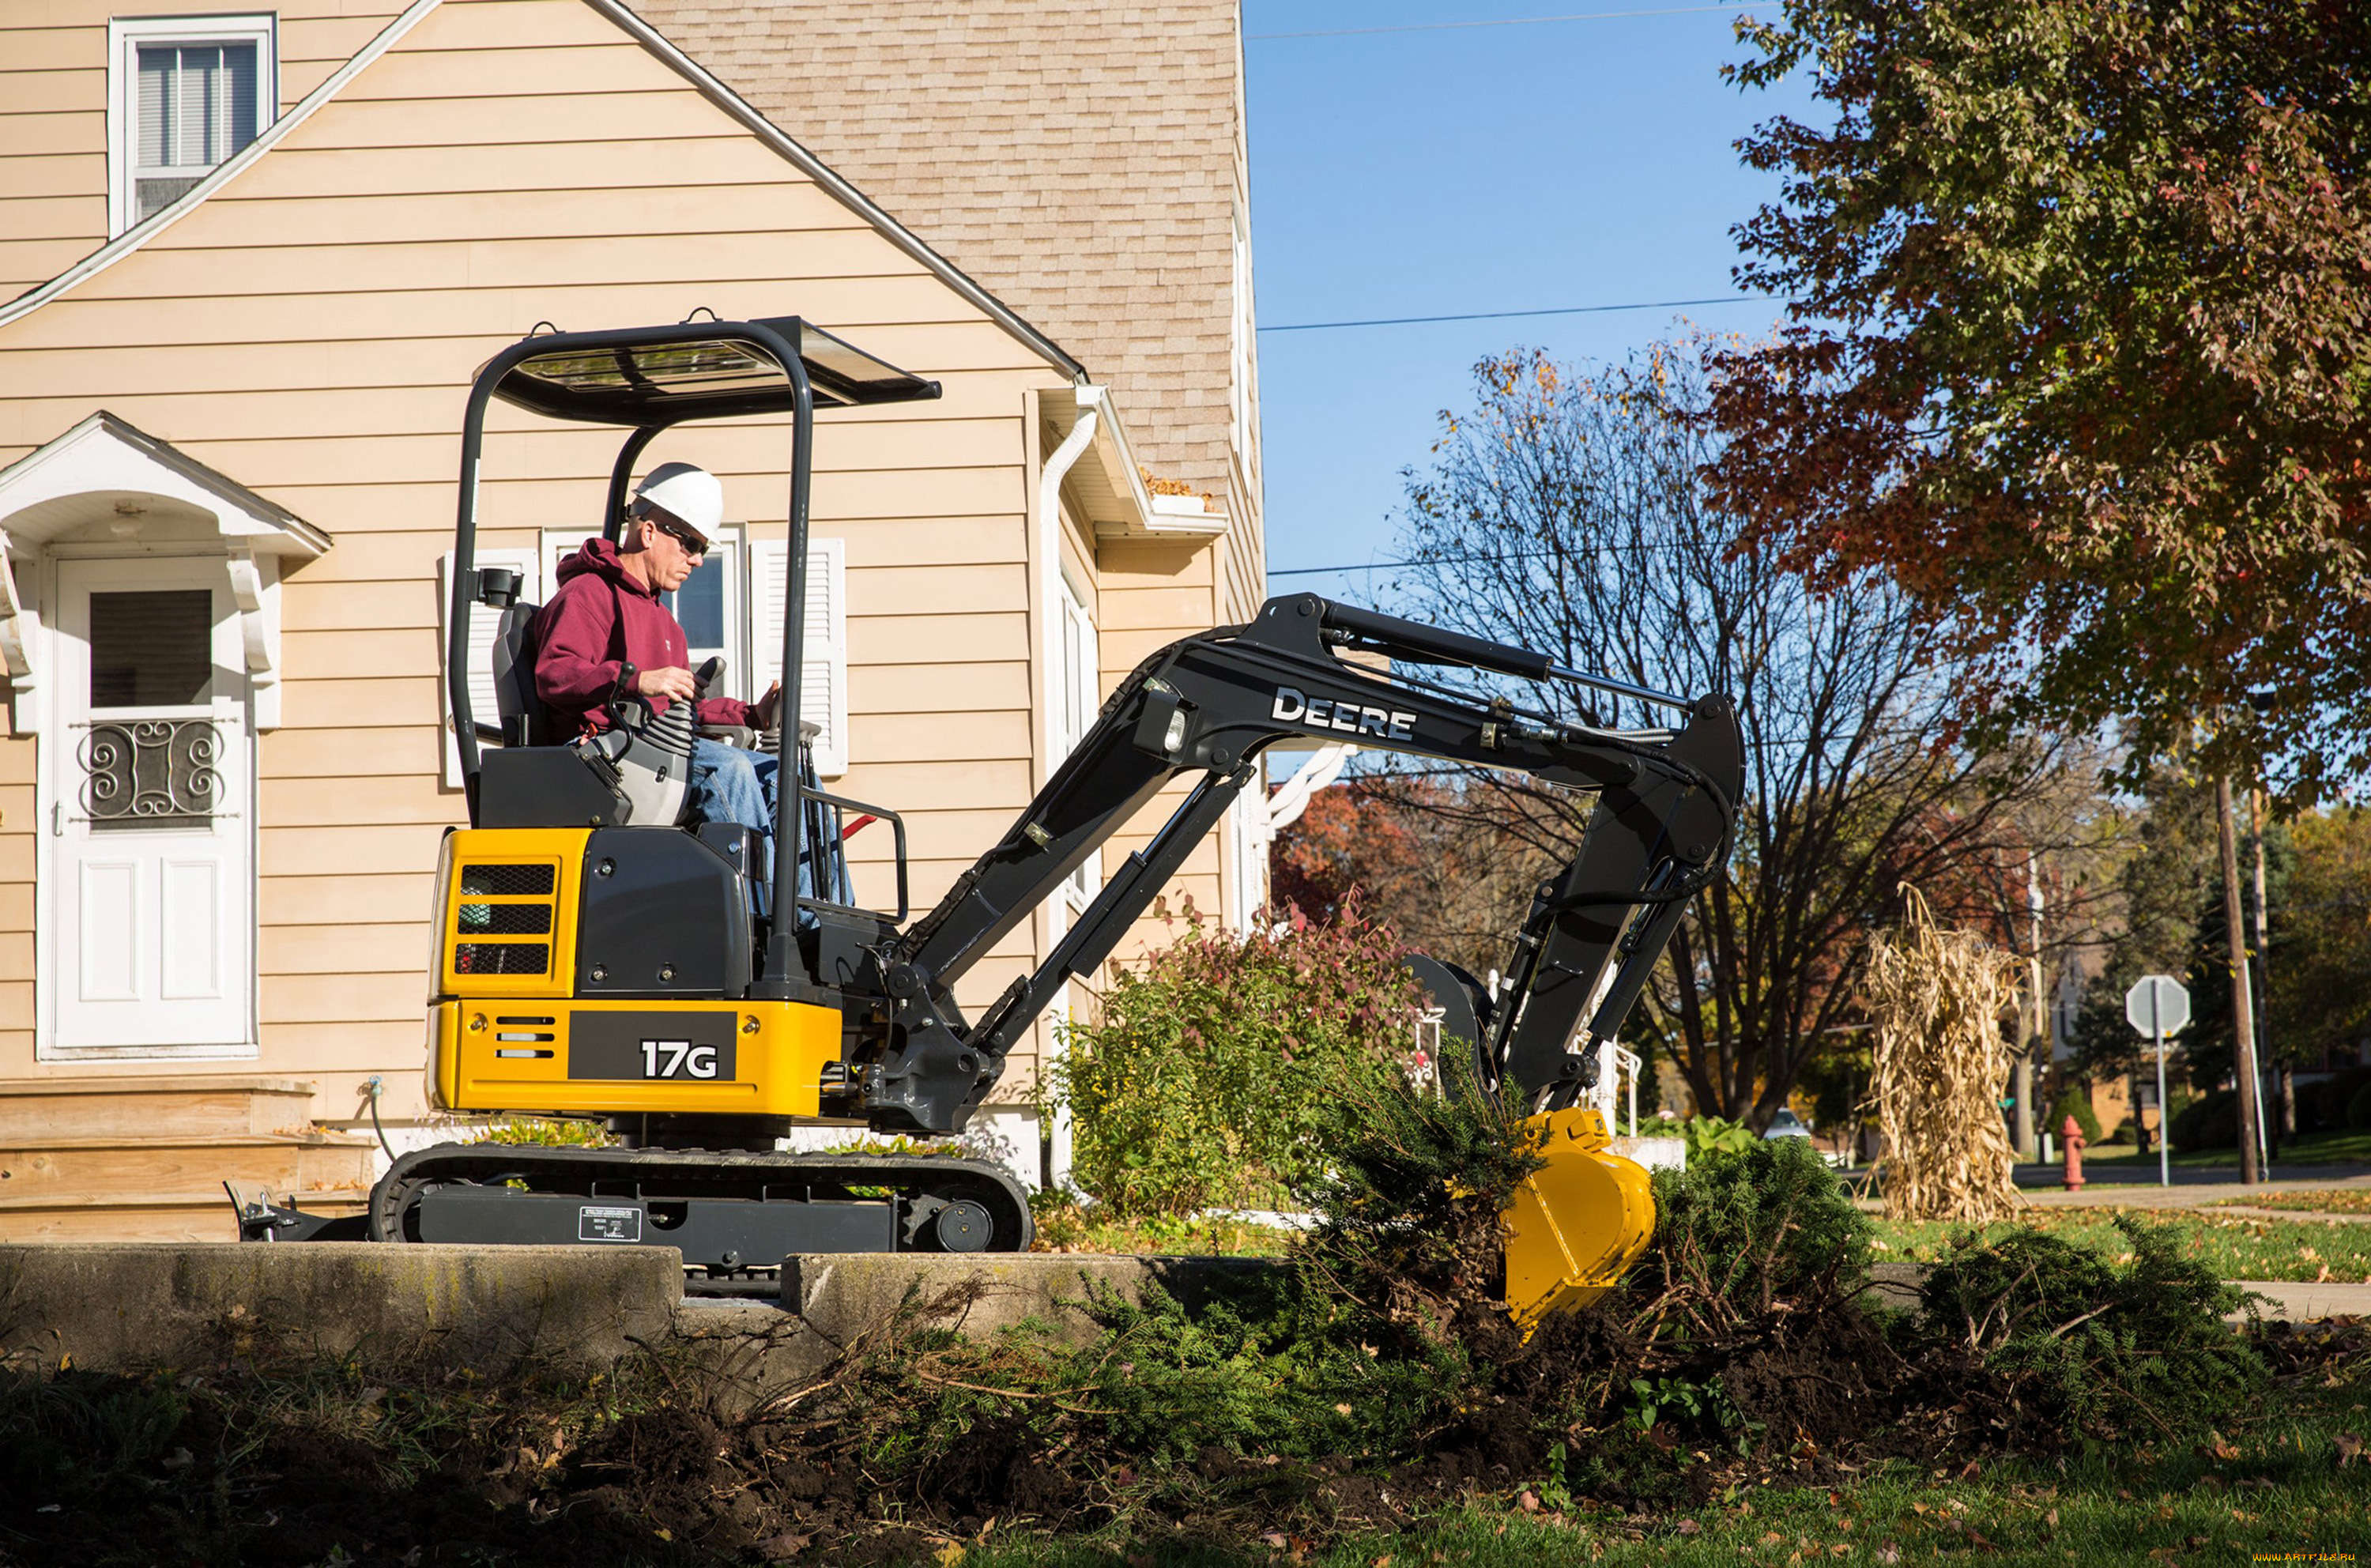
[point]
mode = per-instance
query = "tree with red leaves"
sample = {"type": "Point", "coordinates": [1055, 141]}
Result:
{"type": "Point", "coordinates": [2082, 337]}
{"type": "Point", "coordinates": [2082, 340]}
{"type": "Point", "coordinates": [1452, 883]}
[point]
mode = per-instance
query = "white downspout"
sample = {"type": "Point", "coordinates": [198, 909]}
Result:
{"type": "Point", "coordinates": [1048, 542]}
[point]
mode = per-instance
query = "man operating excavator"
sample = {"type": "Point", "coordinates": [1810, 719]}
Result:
{"type": "Point", "coordinates": [607, 635]}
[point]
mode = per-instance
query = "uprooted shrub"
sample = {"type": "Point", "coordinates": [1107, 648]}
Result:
{"type": "Point", "coordinates": [1743, 1329]}
{"type": "Point", "coordinates": [1409, 1237]}
{"type": "Point", "coordinates": [2067, 1343]}
{"type": "Point", "coordinates": [1216, 1067]}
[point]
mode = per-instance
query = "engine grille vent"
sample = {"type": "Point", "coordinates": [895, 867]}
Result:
{"type": "Point", "coordinates": [502, 922]}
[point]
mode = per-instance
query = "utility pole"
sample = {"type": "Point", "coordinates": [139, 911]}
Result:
{"type": "Point", "coordinates": [2243, 1006]}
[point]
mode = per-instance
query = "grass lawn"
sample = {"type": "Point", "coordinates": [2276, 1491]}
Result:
{"type": "Point", "coordinates": [2235, 1246]}
{"type": "Point", "coordinates": [2284, 1482]}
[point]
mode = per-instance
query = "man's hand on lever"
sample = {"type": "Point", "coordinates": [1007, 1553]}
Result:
{"type": "Point", "coordinates": [673, 685]}
{"type": "Point", "coordinates": [761, 712]}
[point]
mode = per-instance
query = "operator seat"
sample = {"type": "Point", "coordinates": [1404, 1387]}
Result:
{"type": "Point", "coordinates": [533, 779]}
{"type": "Point", "coordinates": [526, 721]}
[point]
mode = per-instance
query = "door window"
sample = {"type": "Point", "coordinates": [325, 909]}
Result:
{"type": "Point", "coordinates": [152, 650]}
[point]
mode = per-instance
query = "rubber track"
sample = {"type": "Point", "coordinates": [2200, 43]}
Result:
{"type": "Point", "coordinates": [717, 1173]}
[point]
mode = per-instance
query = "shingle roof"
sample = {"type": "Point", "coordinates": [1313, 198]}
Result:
{"type": "Point", "coordinates": [1079, 158]}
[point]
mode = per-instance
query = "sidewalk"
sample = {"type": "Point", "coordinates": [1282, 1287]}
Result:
{"type": "Point", "coordinates": [2294, 1303]}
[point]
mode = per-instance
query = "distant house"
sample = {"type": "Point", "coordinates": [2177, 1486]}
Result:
{"type": "Point", "coordinates": [254, 260]}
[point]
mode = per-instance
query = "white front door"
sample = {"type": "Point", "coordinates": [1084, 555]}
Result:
{"type": "Point", "coordinates": [151, 795]}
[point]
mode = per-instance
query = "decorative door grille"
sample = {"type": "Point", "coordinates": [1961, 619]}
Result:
{"type": "Point", "coordinates": [140, 773]}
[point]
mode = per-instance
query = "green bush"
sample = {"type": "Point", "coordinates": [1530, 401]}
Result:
{"type": "Point", "coordinates": [1215, 1065]}
{"type": "Point", "coordinates": [2211, 1120]}
{"type": "Point", "coordinates": [2326, 1102]}
{"type": "Point", "coordinates": [1713, 1136]}
{"type": "Point", "coordinates": [2073, 1101]}
{"type": "Point", "coordinates": [2358, 1109]}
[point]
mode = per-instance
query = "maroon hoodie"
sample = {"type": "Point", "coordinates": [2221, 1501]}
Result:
{"type": "Point", "coordinates": [599, 618]}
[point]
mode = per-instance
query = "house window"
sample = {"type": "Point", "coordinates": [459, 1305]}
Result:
{"type": "Point", "coordinates": [708, 606]}
{"type": "Point", "coordinates": [187, 92]}
{"type": "Point", "coordinates": [699, 607]}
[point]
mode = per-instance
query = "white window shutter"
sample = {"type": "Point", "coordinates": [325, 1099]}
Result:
{"type": "Point", "coordinates": [484, 623]}
{"type": "Point", "coordinates": [558, 544]}
{"type": "Point", "coordinates": [822, 683]}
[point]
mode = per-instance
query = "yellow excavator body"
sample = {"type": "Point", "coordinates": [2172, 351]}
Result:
{"type": "Point", "coordinates": [1578, 1222]}
{"type": "Point", "coordinates": [508, 1031]}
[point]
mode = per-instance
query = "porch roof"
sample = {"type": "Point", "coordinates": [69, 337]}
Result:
{"type": "Point", "coordinates": [105, 469]}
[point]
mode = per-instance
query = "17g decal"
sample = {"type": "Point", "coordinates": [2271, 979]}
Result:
{"type": "Point", "coordinates": [678, 1059]}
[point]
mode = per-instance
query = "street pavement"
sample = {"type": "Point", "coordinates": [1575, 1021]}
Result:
{"type": "Point", "coordinates": [2120, 1184]}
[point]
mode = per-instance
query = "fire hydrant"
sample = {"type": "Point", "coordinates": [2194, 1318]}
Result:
{"type": "Point", "coordinates": [2073, 1136]}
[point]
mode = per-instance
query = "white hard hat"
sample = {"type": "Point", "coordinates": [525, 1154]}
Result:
{"type": "Point", "coordinates": [690, 495]}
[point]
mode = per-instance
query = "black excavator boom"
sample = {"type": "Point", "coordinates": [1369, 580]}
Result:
{"type": "Point", "coordinates": [1210, 705]}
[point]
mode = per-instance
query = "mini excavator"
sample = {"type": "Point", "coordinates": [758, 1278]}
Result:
{"type": "Point", "coordinates": [598, 957]}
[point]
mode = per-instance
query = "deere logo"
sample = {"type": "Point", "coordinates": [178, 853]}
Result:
{"type": "Point", "coordinates": [1340, 714]}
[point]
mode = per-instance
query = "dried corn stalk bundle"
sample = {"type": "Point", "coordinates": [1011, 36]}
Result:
{"type": "Point", "coordinates": [1937, 998]}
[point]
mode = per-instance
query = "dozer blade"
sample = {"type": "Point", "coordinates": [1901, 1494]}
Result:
{"type": "Point", "coordinates": [1578, 1223]}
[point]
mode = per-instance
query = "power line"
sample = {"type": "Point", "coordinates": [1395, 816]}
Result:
{"type": "Point", "coordinates": [1509, 315]}
{"type": "Point", "coordinates": [1497, 22]}
{"type": "Point", "coordinates": [1508, 558]}
{"type": "Point", "coordinates": [1369, 566]}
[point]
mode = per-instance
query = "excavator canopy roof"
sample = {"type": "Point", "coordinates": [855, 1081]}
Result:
{"type": "Point", "coordinates": [705, 369]}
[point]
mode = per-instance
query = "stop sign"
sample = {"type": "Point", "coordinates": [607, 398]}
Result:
{"type": "Point", "coordinates": [2158, 1004]}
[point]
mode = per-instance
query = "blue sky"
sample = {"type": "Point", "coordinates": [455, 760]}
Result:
{"type": "Point", "coordinates": [1473, 168]}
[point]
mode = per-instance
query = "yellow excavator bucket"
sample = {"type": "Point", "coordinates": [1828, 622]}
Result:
{"type": "Point", "coordinates": [1578, 1223]}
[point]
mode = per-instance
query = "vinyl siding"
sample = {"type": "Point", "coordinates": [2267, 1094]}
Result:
{"type": "Point", "coordinates": [1153, 592]}
{"type": "Point", "coordinates": [53, 113]}
{"type": "Point", "coordinates": [310, 331]}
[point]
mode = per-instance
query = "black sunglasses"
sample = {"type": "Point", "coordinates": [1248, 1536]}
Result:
{"type": "Point", "coordinates": [680, 534]}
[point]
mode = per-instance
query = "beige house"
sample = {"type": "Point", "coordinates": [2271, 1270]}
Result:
{"type": "Point", "coordinates": [254, 259]}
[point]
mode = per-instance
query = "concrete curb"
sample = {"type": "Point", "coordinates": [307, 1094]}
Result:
{"type": "Point", "coordinates": [135, 1305]}
{"type": "Point", "coordinates": [832, 1301]}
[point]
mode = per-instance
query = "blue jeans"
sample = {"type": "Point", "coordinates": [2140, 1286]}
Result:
{"type": "Point", "coordinates": [731, 785]}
